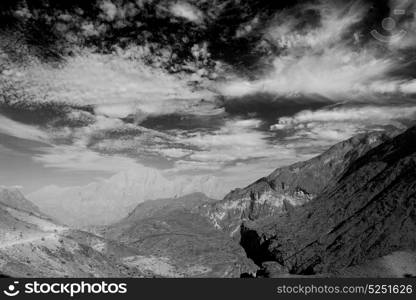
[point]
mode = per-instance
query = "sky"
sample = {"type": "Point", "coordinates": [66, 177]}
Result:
{"type": "Point", "coordinates": [231, 89]}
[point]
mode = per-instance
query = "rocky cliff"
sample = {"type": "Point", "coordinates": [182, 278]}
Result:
{"type": "Point", "coordinates": [291, 186]}
{"type": "Point", "coordinates": [368, 212]}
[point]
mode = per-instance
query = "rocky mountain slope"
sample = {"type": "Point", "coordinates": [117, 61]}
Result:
{"type": "Point", "coordinates": [290, 186]}
{"type": "Point", "coordinates": [176, 241]}
{"type": "Point", "coordinates": [367, 213]}
{"type": "Point", "coordinates": [32, 245]}
{"type": "Point", "coordinates": [106, 201]}
{"type": "Point", "coordinates": [13, 197]}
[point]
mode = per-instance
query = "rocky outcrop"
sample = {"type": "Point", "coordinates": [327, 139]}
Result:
{"type": "Point", "coordinates": [290, 186]}
{"type": "Point", "coordinates": [176, 241]}
{"type": "Point", "coordinates": [367, 213]}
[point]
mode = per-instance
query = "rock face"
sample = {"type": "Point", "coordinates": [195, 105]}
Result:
{"type": "Point", "coordinates": [289, 187]}
{"type": "Point", "coordinates": [366, 213]}
{"type": "Point", "coordinates": [175, 240]}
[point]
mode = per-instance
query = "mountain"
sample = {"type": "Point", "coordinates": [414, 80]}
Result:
{"type": "Point", "coordinates": [366, 214]}
{"type": "Point", "coordinates": [33, 245]}
{"type": "Point", "coordinates": [290, 186]}
{"type": "Point", "coordinates": [176, 241]}
{"type": "Point", "coordinates": [109, 200]}
{"type": "Point", "coordinates": [13, 197]}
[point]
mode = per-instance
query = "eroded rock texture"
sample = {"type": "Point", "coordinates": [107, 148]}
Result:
{"type": "Point", "coordinates": [369, 212]}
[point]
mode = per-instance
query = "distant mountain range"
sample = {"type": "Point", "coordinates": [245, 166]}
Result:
{"type": "Point", "coordinates": [106, 201]}
{"type": "Point", "coordinates": [348, 212]}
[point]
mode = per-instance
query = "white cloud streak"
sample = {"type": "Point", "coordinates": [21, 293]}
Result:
{"type": "Point", "coordinates": [328, 126]}
{"type": "Point", "coordinates": [22, 131]}
{"type": "Point", "coordinates": [367, 114]}
{"type": "Point", "coordinates": [324, 60]}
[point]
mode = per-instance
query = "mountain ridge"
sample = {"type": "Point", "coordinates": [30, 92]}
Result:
{"type": "Point", "coordinates": [290, 186]}
{"type": "Point", "coordinates": [370, 212]}
{"type": "Point", "coordinates": [109, 200]}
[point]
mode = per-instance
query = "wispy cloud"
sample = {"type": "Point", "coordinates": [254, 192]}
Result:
{"type": "Point", "coordinates": [367, 114]}
{"type": "Point", "coordinates": [328, 126]}
{"type": "Point", "coordinates": [326, 59]}
{"type": "Point", "coordinates": [22, 131]}
{"type": "Point", "coordinates": [75, 158]}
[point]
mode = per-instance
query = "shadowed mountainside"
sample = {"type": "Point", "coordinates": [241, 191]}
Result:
{"type": "Point", "coordinates": [368, 213]}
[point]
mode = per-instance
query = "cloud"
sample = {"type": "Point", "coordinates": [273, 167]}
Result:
{"type": "Point", "coordinates": [335, 20]}
{"type": "Point", "coordinates": [367, 114]}
{"type": "Point", "coordinates": [76, 158]}
{"type": "Point", "coordinates": [187, 11]}
{"type": "Point", "coordinates": [236, 142]}
{"type": "Point", "coordinates": [327, 126]}
{"type": "Point", "coordinates": [334, 73]}
{"type": "Point", "coordinates": [109, 10]}
{"type": "Point", "coordinates": [22, 131]}
{"type": "Point", "coordinates": [408, 87]}
{"type": "Point", "coordinates": [324, 59]}
{"type": "Point", "coordinates": [236, 139]}
{"type": "Point", "coordinates": [121, 84]}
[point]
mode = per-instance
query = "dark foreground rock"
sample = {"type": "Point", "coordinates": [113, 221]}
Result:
{"type": "Point", "coordinates": [369, 212]}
